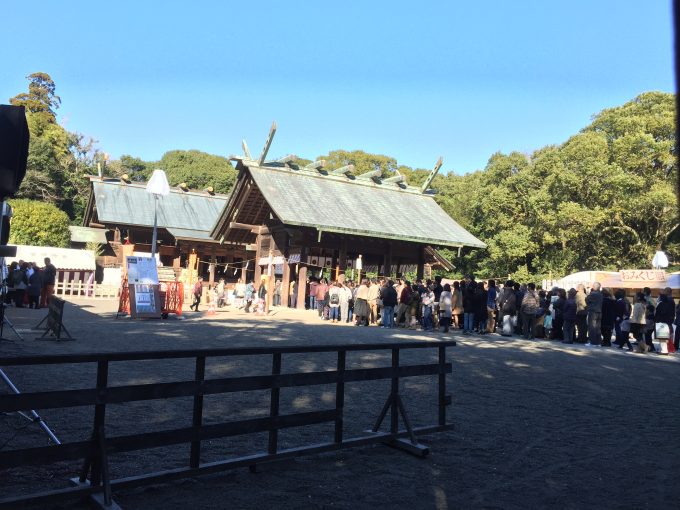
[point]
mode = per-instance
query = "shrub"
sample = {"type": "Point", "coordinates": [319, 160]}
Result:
{"type": "Point", "coordinates": [38, 224]}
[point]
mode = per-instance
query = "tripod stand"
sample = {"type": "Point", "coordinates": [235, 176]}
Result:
{"type": "Point", "coordinates": [3, 319]}
{"type": "Point", "coordinates": [5, 210]}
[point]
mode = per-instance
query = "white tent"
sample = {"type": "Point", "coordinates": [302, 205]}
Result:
{"type": "Point", "coordinates": [62, 258]}
{"type": "Point", "coordinates": [617, 280]}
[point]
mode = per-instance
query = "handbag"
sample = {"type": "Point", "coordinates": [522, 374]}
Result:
{"type": "Point", "coordinates": [662, 331]}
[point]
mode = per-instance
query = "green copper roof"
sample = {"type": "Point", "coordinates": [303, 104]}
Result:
{"type": "Point", "coordinates": [130, 204]}
{"type": "Point", "coordinates": [87, 235]}
{"type": "Point", "coordinates": [357, 206]}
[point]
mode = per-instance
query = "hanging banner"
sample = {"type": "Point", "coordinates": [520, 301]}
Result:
{"type": "Point", "coordinates": [642, 275]}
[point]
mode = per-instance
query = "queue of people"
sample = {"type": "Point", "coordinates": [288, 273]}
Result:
{"type": "Point", "coordinates": [594, 317]}
{"type": "Point", "coordinates": [29, 285]}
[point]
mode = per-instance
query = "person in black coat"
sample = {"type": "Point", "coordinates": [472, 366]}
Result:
{"type": "Point", "coordinates": [35, 285]}
{"type": "Point", "coordinates": [608, 317]}
{"type": "Point", "coordinates": [479, 306]}
{"type": "Point", "coordinates": [469, 307]}
{"type": "Point", "coordinates": [665, 309]}
{"type": "Point", "coordinates": [558, 315]}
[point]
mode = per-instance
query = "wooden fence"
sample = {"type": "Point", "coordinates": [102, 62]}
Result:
{"type": "Point", "coordinates": [94, 479]}
{"type": "Point", "coordinates": [83, 289]}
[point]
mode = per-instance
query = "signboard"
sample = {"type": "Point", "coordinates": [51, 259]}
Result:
{"type": "Point", "coordinates": [144, 301]}
{"type": "Point", "coordinates": [142, 270]}
{"type": "Point", "coordinates": [55, 320]}
{"type": "Point", "coordinates": [642, 275]}
{"type": "Point", "coordinates": [264, 261]}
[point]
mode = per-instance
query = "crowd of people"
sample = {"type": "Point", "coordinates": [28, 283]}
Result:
{"type": "Point", "coordinates": [592, 317]}
{"type": "Point", "coordinates": [29, 285]}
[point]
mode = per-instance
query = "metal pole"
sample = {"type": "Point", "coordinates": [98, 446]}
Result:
{"type": "Point", "coordinates": [36, 416]}
{"type": "Point", "coordinates": [155, 226]}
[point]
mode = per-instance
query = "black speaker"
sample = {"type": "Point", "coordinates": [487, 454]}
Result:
{"type": "Point", "coordinates": [14, 139]}
{"type": "Point", "coordinates": [6, 214]}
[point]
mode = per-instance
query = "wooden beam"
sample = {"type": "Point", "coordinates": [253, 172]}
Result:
{"type": "Point", "coordinates": [267, 144]}
{"type": "Point", "coordinates": [370, 175]}
{"type": "Point", "coordinates": [246, 152]}
{"type": "Point", "coordinates": [343, 170]}
{"type": "Point", "coordinates": [432, 175]}
{"type": "Point", "coordinates": [316, 165]}
{"type": "Point", "coordinates": [283, 160]}
{"type": "Point", "coordinates": [394, 179]}
{"type": "Point", "coordinates": [244, 226]}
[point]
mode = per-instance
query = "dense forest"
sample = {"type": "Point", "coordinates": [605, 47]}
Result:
{"type": "Point", "coordinates": [603, 199]}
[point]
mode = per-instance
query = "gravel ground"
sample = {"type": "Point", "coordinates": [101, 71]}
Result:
{"type": "Point", "coordinates": [538, 424]}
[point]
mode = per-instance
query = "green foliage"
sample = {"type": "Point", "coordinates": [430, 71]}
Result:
{"type": "Point", "coordinates": [136, 169]}
{"type": "Point", "coordinates": [198, 169]}
{"type": "Point", "coordinates": [38, 224]}
{"type": "Point", "coordinates": [363, 162]}
{"type": "Point", "coordinates": [97, 248]}
{"type": "Point", "coordinates": [603, 200]}
{"type": "Point", "coordinates": [40, 98]}
{"type": "Point", "coordinates": [58, 160]}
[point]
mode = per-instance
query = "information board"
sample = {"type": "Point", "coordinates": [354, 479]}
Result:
{"type": "Point", "coordinates": [142, 270]}
{"type": "Point", "coordinates": [144, 300]}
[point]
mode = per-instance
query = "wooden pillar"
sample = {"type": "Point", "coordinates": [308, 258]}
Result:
{"type": "Point", "coordinates": [213, 266]}
{"type": "Point", "coordinates": [258, 254]}
{"type": "Point", "coordinates": [285, 283]}
{"type": "Point", "coordinates": [387, 261]}
{"type": "Point", "coordinates": [342, 258]}
{"type": "Point", "coordinates": [301, 287]}
{"type": "Point", "coordinates": [285, 278]}
{"type": "Point", "coordinates": [421, 263]}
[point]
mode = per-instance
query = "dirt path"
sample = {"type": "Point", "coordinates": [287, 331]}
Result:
{"type": "Point", "coordinates": [538, 424]}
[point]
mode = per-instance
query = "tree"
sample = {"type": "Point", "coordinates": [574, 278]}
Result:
{"type": "Point", "coordinates": [137, 169]}
{"type": "Point", "coordinates": [363, 162]}
{"type": "Point", "coordinates": [40, 98]}
{"type": "Point", "coordinates": [197, 169]}
{"type": "Point", "coordinates": [58, 160]}
{"type": "Point", "coordinates": [602, 200]}
{"type": "Point", "coordinates": [38, 224]}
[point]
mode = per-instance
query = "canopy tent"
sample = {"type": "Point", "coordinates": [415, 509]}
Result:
{"type": "Point", "coordinates": [62, 258]}
{"type": "Point", "coordinates": [635, 279]}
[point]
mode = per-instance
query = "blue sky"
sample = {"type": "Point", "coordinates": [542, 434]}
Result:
{"type": "Point", "coordinates": [413, 80]}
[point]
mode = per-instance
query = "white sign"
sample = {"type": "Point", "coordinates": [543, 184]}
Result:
{"type": "Point", "coordinates": [145, 299]}
{"type": "Point", "coordinates": [142, 270]}
{"type": "Point", "coordinates": [643, 275]}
